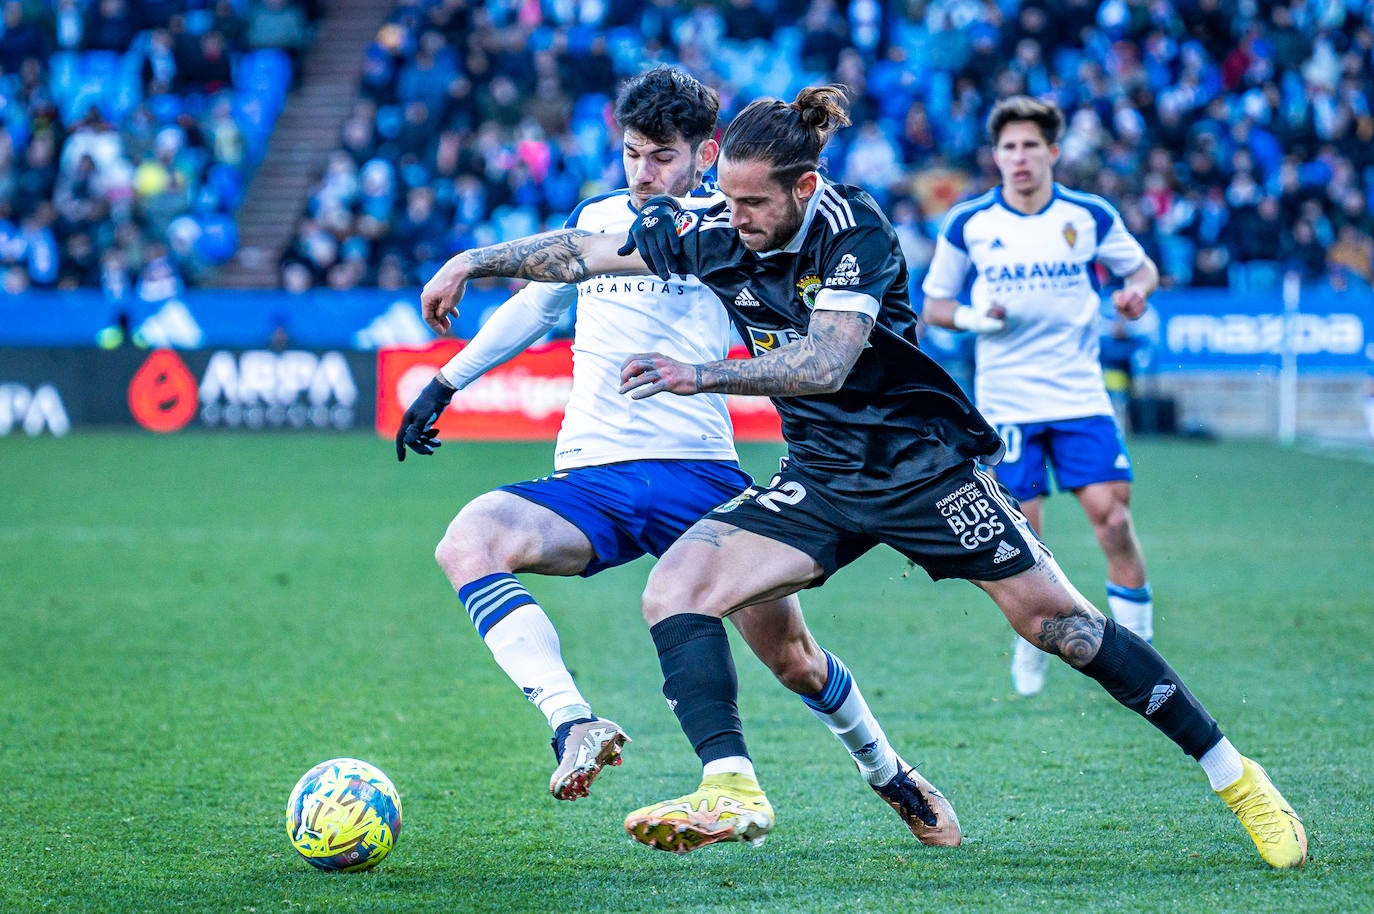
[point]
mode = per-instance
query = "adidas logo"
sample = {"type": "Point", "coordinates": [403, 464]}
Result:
{"type": "Point", "coordinates": [746, 299]}
{"type": "Point", "coordinates": [1122, 462]}
{"type": "Point", "coordinates": [866, 750]}
{"type": "Point", "coordinates": [1158, 695]}
{"type": "Point", "coordinates": [996, 243]}
{"type": "Point", "coordinates": [1005, 552]}
{"type": "Point", "coordinates": [672, 704]}
{"type": "Point", "coordinates": [533, 694]}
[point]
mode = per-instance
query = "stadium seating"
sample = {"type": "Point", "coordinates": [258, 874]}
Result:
{"type": "Point", "coordinates": [1203, 96]}
{"type": "Point", "coordinates": [1162, 105]}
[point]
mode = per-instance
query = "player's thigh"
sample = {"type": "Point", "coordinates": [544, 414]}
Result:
{"type": "Point", "coordinates": [508, 530]}
{"type": "Point", "coordinates": [716, 568]}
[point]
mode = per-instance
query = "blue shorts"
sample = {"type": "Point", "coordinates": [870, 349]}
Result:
{"type": "Point", "coordinates": [1080, 451]}
{"type": "Point", "coordinates": [635, 508]}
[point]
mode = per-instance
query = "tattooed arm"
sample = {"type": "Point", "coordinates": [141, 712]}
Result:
{"type": "Point", "coordinates": [818, 363]}
{"type": "Point", "coordinates": [568, 255]}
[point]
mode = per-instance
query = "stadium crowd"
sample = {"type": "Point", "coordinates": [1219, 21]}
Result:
{"type": "Point", "coordinates": [130, 129]}
{"type": "Point", "coordinates": [1234, 135]}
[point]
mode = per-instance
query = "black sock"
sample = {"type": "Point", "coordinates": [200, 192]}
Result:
{"type": "Point", "coordinates": [1137, 676]}
{"type": "Point", "coordinates": [700, 684]}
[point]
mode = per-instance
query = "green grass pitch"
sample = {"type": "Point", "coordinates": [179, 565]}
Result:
{"type": "Point", "coordinates": [189, 623]}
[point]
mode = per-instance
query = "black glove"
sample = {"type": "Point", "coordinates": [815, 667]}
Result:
{"type": "Point", "coordinates": [417, 430]}
{"type": "Point", "coordinates": [657, 233]}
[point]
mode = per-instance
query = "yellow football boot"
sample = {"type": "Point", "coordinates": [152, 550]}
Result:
{"type": "Point", "coordinates": [726, 807]}
{"type": "Point", "coordinates": [1266, 815]}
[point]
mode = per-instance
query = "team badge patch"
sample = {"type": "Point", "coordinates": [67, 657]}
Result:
{"type": "Point", "coordinates": [1070, 233]}
{"type": "Point", "coordinates": [735, 502]}
{"type": "Point", "coordinates": [683, 222]}
{"type": "Point", "coordinates": [846, 272]}
{"type": "Point", "coordinates": [807, 287]}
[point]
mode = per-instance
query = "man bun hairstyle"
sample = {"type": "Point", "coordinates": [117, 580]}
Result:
{"type": "Point", "coordinates": [1045, 115]}
{"type": "Point", "coordinates": [787, 135]}
{"type": "Point", "coordinates": [666, 103]}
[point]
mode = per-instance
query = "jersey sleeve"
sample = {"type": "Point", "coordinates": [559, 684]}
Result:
{"type": "Point", "coordinates": [949, 267]}
{"type": "Point", "coordinates": [1118, 250]}
{"type": "Point", "coordinates": [858, 270]}
{"type": "Point", "coordinates": [706, 240]}
{"type": "Point", "coordinates": [511, 329]}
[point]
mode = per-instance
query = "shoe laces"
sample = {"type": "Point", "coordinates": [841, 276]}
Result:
{"type": "Point", "coordinates": [1259, 811]}
{"type": "Point", "coordinates": [904, 793]}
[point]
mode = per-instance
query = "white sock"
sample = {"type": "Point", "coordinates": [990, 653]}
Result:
{"type": "Point", "coordinates": [526, 646]}
{"type": "Point", "coordinates": [734, 764]}
{"type": "Point", "coordinates": [841, 707]}
{"type": "Point", "coordinates": [1223, 764]}
{"type": "Point", "coordinates": [1133, 607]}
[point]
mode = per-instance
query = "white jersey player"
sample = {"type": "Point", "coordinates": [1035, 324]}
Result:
{"type": "Point", "coordinates": [630, 475]}
{"type": "Point", "coordinates": [1027, 253]}
{"type": "Point", "coordinates": [614, 314]}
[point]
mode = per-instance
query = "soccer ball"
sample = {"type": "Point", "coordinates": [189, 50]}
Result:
{"type": "Point", "coordinates": [344, 815]}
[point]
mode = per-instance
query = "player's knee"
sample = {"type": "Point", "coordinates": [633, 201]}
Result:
{"type": "Point", "coordinates": [658, 602]}
{"type": "Point", "coordinates": [669, 594]}
{"type": "Point", "coordinates": [1113, 524]}
{"type": "Point", "coordinates": [447, 553]}
{"type": "Point", "coordinates": [466, 552]}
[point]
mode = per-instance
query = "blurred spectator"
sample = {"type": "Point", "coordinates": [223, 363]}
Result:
{"type": "Point", "coordinates": [1351, 258]}
{"type": "Point", "coordinates": [204, 66]}
{"type": "Point", "coordinates": [20, 38]}
{"type": "Point", "coordinates": [108, 27]}
{"type": "Point", "coordinates": [279, 24]}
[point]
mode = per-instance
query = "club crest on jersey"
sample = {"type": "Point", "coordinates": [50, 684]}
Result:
{"type": "Point", "coordinates": [807, 287]}
{"type": "Point", "coordinates": [683, 222]}
{"type": "Point", "coordinates": [761, 341]}
{"type": "Point", "coordinates": [1070, 233]}
{"type": "Point", "coordinates": [846, 272]}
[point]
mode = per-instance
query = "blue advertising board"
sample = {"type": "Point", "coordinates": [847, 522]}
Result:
{"type": "Point", "coordinates": [1213, 330]}
{"type": "Point", "coordinates": [1186, 330]}
{"type": "Point", "coordinates": [201, 318]}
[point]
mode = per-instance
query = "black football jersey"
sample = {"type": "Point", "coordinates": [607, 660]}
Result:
{"type": "Point", "coordinates": [899, 417]}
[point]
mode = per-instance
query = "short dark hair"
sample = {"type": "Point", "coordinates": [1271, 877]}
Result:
{"type": "Point", "coordinates": [666, 103]}
{"type": "Point", "coordinates": [789, 136]}
{"type": "Point", "coordinates": [1045, 115]}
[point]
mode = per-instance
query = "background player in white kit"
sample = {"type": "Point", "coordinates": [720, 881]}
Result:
{"type": "Point", "coordinates": [631, 475]}
{"type": "Point", "coordinates": [1030, 246]}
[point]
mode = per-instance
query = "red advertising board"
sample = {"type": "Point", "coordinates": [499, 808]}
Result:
{"type": "Point", "coordinates": [522, 400]}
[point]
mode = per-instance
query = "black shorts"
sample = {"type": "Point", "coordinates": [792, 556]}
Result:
{"type": "Point", "coordinates": [961, 524]}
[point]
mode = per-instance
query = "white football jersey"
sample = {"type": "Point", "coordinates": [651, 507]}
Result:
{"type": "Point", "coordinates": [618, 316]}
{"type": "Point", "coordinates": [1043, 366]}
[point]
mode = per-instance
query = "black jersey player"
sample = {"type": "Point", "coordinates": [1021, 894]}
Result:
{"type": "Point", "coordinates": [882, 448]}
